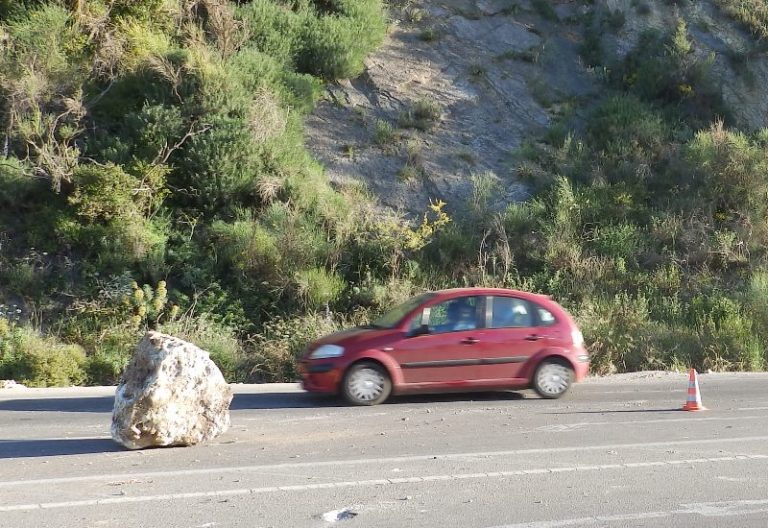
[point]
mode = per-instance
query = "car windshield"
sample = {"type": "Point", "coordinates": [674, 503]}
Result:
{"type": "Point", "coordinates": [396, 314]}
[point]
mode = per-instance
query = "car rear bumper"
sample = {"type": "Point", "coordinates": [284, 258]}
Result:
{"type": "Point", "coordinates": [581, 369]}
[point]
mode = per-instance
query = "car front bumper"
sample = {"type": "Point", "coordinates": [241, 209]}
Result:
{"type": "Point", "coordinates": [318, 376]}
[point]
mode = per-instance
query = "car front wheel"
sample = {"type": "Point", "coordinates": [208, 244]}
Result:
{"type": "Point", "coordinates": [366, 383]}
{"type": "Point", "coordinates": [552, 379]}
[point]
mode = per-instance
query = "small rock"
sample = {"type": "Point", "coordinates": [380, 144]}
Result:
{"type": "Point", "coordinates": [339, 515]}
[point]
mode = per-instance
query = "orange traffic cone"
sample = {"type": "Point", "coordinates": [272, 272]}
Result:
{"type": "Point", "coordinates": [694, 396]}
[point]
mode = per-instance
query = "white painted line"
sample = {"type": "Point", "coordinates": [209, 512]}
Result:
{"type": "Point", "coordinates": [704, 509]}
{"type": "Point", "coordinates": [713, 508]}
{"type": "Point", "coordinates": [641, 391]}
{"type": "Point", "coordinates": [385, 460]}
{"type": "Point", "coordinates": [574, 426]}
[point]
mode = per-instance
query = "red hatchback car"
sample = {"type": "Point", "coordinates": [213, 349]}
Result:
{"type": "Point", "coordinates": [452, 340]}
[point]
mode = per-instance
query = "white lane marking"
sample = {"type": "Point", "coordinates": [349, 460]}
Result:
{"type": "Point", "coordinates": [382, 460]}
{"type": "Point", "coordinates": [752, 409]}
{"type": "Point", "coordinates": [561, 428]}
{"type": "Point", "coordinates": [703, 508]}
{"type": "Point", "coordinates": [636, 392]}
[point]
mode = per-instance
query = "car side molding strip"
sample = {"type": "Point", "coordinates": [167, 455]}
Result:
{"type": "Point", "coordinates": [465, 362]}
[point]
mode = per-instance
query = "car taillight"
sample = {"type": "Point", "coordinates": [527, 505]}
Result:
{"type": "Point", "coordinates": [577, 337]}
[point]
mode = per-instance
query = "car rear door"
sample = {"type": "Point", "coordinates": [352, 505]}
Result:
{"type": "Point", "coordinates": [511, 338]}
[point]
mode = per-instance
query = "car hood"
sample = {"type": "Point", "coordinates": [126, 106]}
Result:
{"type": "Point", "coordinates": [356, 336]}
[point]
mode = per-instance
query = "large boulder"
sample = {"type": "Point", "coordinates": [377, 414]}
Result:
{"type": "Point", "coordinates": [171, 394]}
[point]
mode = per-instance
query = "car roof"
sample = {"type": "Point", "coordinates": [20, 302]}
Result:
{"type": "Point", "coordinates": [460, 292]}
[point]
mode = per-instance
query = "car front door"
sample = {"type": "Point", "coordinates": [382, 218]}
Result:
{"type": "Point", "coordinates": [441, 349]}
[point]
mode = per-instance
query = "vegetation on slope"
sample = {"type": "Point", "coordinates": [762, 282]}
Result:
{"type": "Point", "coordinates": [154, 175]}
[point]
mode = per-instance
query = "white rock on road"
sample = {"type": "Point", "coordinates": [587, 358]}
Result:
{"type": "Point", "coordinates": [171, 394]}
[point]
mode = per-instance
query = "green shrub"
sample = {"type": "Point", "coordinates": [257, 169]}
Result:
{"type": "Point", "coordinates": [423, 115]}
{"type": "Point", "coordinates": [618, 241]}
{"type": "Point", "coordinates": [328, 39]}
{"type": "Point", "coordinates": [335, 45]}
{"type": "Point", "coordinates": [110, 210]}
{"type": "Point", "coordinates": [16, 183]}
{"type": "Point", "coordinates": [430, 34]}
{"type": "Point", "coordinates": [106, 366]}
{"type": "Point", "coordinates": [274, 29]}
{"type": "Point", "coordinates": [249, 248]}
{"type": "Point", "coordinates": [752, 13]}
{"type": "Point", "coordinates": [545, 10]}
{"type": "Point", "coordinates": [629, 133]}
{"type": "Point", "coordinates": [38, 361]}
{"type": "Point", "coordinates": [273, 353]}
{"type": "Point", "coordinates": [144, 9]}
{"type": "Point", "coordinates": [727, 174]}
{"type": "Point", "coordinates": [317, 287]}
{"type": "Point", "coordinates": [617, 332]}
{"type": "Point", "coordinates": [220, 164]}
{"type": "Point", "coordinates": [664, 69]}
{"type": "Point", "coordinates": [383, 132]}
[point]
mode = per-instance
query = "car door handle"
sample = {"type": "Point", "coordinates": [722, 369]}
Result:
{"type": "Point", "coordinates": [470, 341]}
{"type": "Point", "coordinates": [533, 337]}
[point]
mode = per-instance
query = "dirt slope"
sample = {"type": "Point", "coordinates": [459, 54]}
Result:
{"type": "Point", "coordinates": [500, 72]}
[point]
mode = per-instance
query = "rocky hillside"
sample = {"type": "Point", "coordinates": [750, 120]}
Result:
{"type": "Point", "coordinates": [159, 170]}
{"type": "Point", "coordinates": [459, 86]}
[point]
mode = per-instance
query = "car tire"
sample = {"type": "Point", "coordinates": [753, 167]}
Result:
{"type": "Point", "coordinates": [366, 383]}
{"type": "Point", "coordinates": [552, 378]}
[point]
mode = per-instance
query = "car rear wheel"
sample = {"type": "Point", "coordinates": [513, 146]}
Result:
{"type": "Point", "coordinates": [552, 379]}
{"type": "Point", "coordinates": [366, 383]}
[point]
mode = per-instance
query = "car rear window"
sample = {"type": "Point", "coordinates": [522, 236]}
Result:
{"type": "Point", "coordinates": [510, 312]}
{"type": "Point", "coordinates": [545, 317]}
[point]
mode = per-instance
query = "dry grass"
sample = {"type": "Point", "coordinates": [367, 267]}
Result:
{"type": "Point", "coordinates": [752, 13]}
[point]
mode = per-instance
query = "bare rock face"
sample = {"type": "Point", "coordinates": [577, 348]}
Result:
{"type": "Point", "coordinates": [171, 394]}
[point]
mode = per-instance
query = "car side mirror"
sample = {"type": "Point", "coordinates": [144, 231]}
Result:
{"type": "Point", "coordinates": [422, 330]}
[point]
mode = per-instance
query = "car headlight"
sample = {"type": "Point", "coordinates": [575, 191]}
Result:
{"type": "Point", "coordinates": [577, 337]}
{"type": "Point", "coordinates": [327, 351]}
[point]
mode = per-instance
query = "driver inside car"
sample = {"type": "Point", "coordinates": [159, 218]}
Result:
{"type": "Point", "coordinates": [461, 316]}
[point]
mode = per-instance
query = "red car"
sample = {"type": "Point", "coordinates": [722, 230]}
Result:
{"type": "Point", "coordinates": [452, 340]}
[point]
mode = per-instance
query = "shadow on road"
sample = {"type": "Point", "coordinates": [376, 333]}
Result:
{"type": "Point", "coordinates": [458, 397]}
{"type": "Point", "coordinates": [282, 400]}
{"type": "Point", "coordinates": [256, 400]}
{"type": "Point", "coordinates": [56, 447]}
{"type": "Point", "coordinates": [95, 405]}
{"type": "Point", "coordinates": [302, 400]}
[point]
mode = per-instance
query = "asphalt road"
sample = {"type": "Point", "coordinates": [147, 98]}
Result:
{"type": "Point", "coordinates": [614, 453]}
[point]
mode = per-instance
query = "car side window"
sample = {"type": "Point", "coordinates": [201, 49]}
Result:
{"type": "Point", "coordinates": [454, 315]}
{"type": "Point", "coordinates": [509, 312]}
